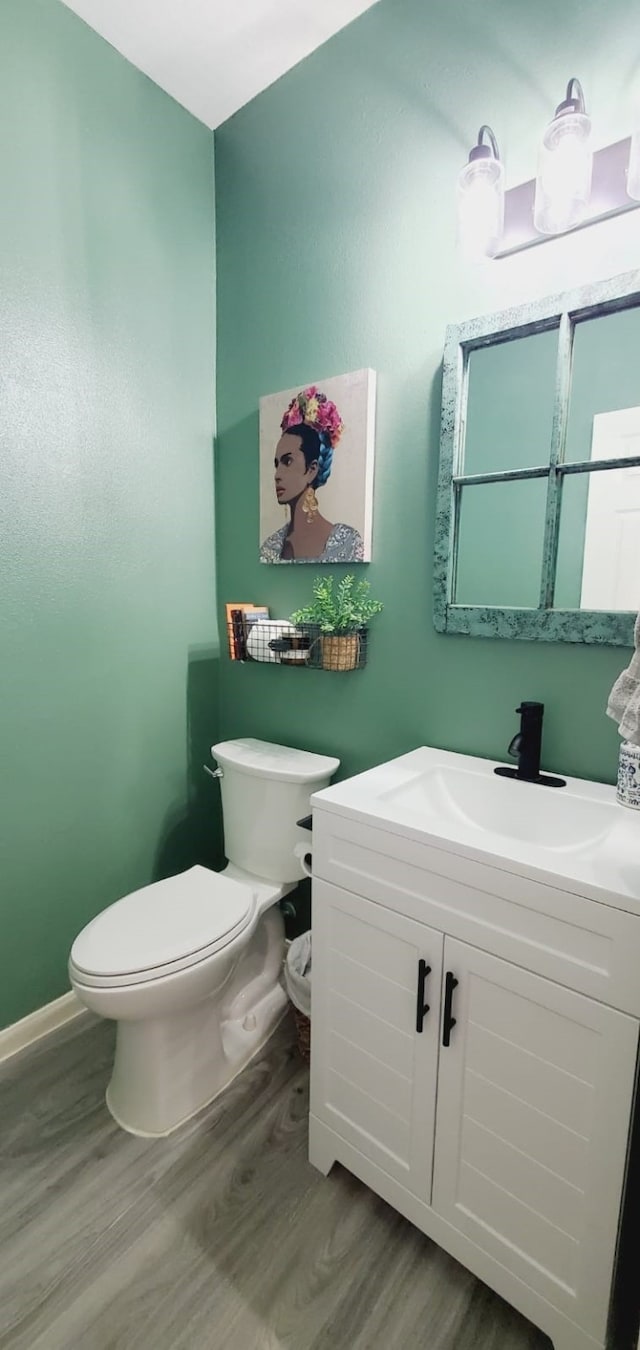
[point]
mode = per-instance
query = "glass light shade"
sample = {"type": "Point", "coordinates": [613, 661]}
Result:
{"type": "Point", "coordinates": [633, 171]}
{"type": "Point", "coordinates": [481, 207]}
{"type": "Point", "coordinates": [563, 185]}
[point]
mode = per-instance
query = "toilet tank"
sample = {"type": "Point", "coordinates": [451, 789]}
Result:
{"type": "Point", "coordinates": [265, 790]}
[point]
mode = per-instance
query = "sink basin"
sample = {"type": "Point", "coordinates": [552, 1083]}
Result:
{"type": "Point", "coordinates": [575, 836]}
{"type": "Point", "coordinates": [555, 818]}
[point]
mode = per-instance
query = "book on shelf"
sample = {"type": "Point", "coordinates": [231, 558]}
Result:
{"type": "Point", "coordinates": [238, 636]}
{"type": "Point", "coordinates": [255, 615]}
{"type": "Point", "coordinates": [240, 616]}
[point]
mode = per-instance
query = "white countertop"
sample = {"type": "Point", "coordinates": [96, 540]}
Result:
{"type": "Point", "coordinates": [576, 838]}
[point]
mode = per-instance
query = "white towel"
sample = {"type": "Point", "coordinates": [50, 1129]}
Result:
{"type": "Point", "coordinates": [624, 699]}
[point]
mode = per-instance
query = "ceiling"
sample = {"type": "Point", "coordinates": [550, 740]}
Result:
{"type": "Point", "coordinates": [215, 55]}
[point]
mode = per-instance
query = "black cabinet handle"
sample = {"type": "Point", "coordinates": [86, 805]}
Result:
{"type": "Point", "coordinates": [422, 1008]}
{"type": "Point", "coordinates": [448, 1022]}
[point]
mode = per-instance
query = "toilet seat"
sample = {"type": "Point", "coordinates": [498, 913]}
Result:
{"type": "Point", "coordinates": [161, 928]}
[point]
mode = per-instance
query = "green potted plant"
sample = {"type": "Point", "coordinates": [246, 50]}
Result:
{"type": "Point", "coordinates": [340, 614]}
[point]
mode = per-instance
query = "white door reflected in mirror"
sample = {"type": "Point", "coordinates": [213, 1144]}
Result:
{"type": "Point", "coordinates": [611, 567]}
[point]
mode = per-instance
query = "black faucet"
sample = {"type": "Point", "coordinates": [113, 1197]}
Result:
{"type": "Point", "coordinates": [526, 747]}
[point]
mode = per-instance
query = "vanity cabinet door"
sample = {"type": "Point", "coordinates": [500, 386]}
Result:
{"type": "Point", "coordinates": [375, 1019]}
{"type": "Point", "coordinates": [534, 1098]}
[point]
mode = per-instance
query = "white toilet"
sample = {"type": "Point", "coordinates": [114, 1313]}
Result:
{"type": "Point", "coordinates": [190, 967]}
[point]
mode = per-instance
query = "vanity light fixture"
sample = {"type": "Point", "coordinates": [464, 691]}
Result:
{"type": "Point", "coordinates": [563, 185]}
{"type": "Point", "coordinates": [481, 198]}
{"type": "Point", "coordinates": [574, 187]}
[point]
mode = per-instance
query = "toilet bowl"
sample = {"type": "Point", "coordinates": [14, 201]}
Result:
{"type": "Point", "coordinates": [190, 967]}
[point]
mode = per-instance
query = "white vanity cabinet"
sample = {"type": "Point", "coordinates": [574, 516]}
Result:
{"type": "Point", "coordinates": [467, 1067]}
{"type": "Point", "coordinates": [374, 1072]}
{"type": "Point", "coordinates": [530, 1142]}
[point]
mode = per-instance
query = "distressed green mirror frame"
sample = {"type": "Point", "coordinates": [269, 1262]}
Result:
{"type": "Point", "coordinates": [545, 623]}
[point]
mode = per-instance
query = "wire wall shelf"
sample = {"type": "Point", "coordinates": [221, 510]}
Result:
{"type": "Point", "coordinates": [277, 641]}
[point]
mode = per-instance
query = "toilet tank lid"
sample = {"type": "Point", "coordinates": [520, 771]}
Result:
{"type": "Point", "coordinates": [265, 760]}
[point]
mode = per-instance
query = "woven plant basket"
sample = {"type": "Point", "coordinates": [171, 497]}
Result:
{"type": "Point", "coordinates": [303, 1033]}
{"type": "Point", "coordinates": [341, 651]}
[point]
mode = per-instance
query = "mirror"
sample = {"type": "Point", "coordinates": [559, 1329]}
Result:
{"type": "Point", "coordinates": [510, 398]}
{"type": "Point", "coordinates": [538, 528]}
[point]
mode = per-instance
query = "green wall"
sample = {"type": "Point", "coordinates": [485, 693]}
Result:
{"type": "Point", "coordinates": [108, 673]}
{"type": "Point", "coordinates": [335, 194]}
{"type": "Point", "coordinates": [336, 250]}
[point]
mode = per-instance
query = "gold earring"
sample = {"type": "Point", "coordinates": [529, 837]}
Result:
{"type": "Point", "coordinates": [310, 505]}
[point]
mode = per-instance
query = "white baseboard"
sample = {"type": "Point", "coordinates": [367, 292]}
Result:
{"type": "Point", "coordinates": [38, 1024]}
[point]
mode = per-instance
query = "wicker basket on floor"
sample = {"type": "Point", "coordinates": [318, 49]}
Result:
{"type": "Point", "coordinates": [303, 1033]}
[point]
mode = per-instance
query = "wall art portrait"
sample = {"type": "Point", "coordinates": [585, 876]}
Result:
{"type": "Point", "coordinates": [316, 471]}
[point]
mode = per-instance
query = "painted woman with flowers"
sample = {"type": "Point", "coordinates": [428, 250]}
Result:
{"type": "Point", "coordinates": [311, 428]}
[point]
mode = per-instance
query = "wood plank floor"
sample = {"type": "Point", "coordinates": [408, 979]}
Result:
{"type": "Point", "coordinates": [220, 1238]}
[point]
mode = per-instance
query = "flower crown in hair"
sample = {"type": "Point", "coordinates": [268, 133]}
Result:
{"type": "Point", "coordinates": [317, 411]}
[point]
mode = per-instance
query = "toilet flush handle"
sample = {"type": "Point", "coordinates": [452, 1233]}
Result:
{"type": "Point", "coordinates": [215, 773]}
